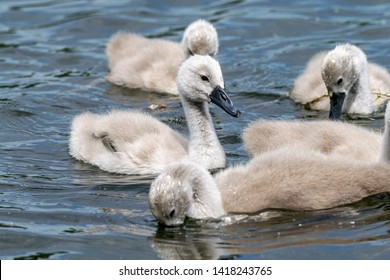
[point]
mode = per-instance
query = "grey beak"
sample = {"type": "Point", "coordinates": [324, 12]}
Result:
{"type": "Point", "coordinates": [220, 98]}
{"type": "Point", "coordinates": [336, 105]}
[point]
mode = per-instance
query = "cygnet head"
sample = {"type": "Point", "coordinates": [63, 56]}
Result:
{"type": "Point", "coordinates": [169, 198]}
{"type": "Point", "coordinates": [200, 37]}
{"type": "Point", "coordinates": [341, 70]}
{"type": "Point", "coordinates": [184, 189]}
{"type": "Point", "coordinates": [200, 80]}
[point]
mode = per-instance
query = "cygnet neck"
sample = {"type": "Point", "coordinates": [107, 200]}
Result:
{"type": "Point", "coordinates": [204, 146]}
{"type": "Point", "coordinates": [206, 199]}
{"type": "Point", "coordinates": [385, 149]}
{"type": "Point", "coordinates": [359, 98]}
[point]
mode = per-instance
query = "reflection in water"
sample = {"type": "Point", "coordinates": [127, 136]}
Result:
{"type": "Point", "coordinates": [224, 238]}
{"type": "Point", "coordinates": [178, 244]}
{"type": "Point", "coordinates": [40, 256]}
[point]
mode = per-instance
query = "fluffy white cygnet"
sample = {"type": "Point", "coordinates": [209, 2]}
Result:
{"type": "Point", "coordinates": [327, 137]}
{"type": "Point", "coordinates": [292, 179]}
{"type": "Point", "coordinates": [132, 142]}
{"type": "Point", "coordinates": [354, 85]}
{"type": "Point", "coordinates": [152, 64]}
{"type": "Point", "coordinates": [324, 136]}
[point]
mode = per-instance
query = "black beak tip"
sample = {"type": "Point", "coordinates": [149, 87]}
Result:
{"type": "Point", "coordinates": [336, 105]}
{"type": "Point", "coordinates": [220, 98]}
{"type": "Point", "coordinates": [334, 116]}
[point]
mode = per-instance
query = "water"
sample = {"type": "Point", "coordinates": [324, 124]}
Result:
{"type": "Point", "coordinates": [52, 63]}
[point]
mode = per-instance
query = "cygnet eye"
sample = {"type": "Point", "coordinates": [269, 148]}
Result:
{"type": "Point", "coordinates": [339, 81]}
{"type": "Point", "coordinates": [172, 213]}
{"type": "Point", "coordinates": [204, 78]}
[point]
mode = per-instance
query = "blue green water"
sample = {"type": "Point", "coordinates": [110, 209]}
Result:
{"type": "Point", "coordinates": [52, 64]}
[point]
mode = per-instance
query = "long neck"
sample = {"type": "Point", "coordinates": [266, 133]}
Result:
{"type": "Point", "coordinates": [204, 146]}
{"type": "Point", "coordinates": [359, 98]}
{"type": "Point", "coordinates": [385, 150]}
{"type": "Point", "coordinates": [207, 199]}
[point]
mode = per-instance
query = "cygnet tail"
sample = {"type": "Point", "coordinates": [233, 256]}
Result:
{"type": "Point", "coordinates": [94, 146]}
{"type": "Point", "coordinates": [83, 142]}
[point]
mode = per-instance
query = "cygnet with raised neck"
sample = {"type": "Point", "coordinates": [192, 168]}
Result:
{"type": "Point", "coordinates": [132, 142]}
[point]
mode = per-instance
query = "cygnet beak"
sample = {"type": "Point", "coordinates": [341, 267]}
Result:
{"type": "Point", "coordinates": [220, 98]}
{"type": "Point", "coordinates": [170, 223]}
{"type": "Point", "coordinates": [336, 105]}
